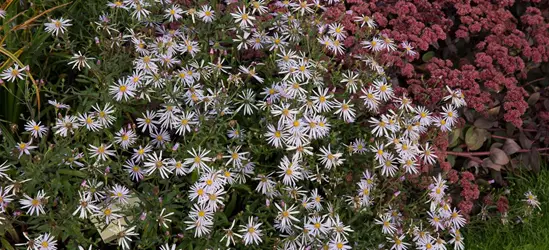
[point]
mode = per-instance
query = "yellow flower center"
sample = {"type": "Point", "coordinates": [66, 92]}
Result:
{"type": "Point", "coordinates": [159, 164]}
{"type": "Point", "coordinates": [383, 88]}
{"type": "Point", "coordinates": [322, 98]}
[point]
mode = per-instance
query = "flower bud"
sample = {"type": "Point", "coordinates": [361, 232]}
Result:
{"type": "Point", "coordinates": [14, 128]}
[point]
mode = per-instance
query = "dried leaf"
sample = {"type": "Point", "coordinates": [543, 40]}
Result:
{"type": "Point", "coordinates": [473, 163]}
{"type": "Point", "coordinates": [484, 123]}
{"type": "Point", "coordinates": [535, 160]}
{"type": "Point", "coordinates": [546, 104]}
{"type": "Point", "coordinates": [496, 175]}
{"type": "Point", "coordinates": [524, 160]}
{"type": "Point", "coordinates": [510, 147]}
{"type": "Point", "coordinates": [533, 99]}
{"type": "Point", "coordinates": [469, 116]}
{"type": "Point", "coordinates": [498, 156]}
{"type": "Point", "coordinates": [510, 129]}
{"type": "Point", "coordinates": [487, 163]}
{"type": "Point", "coordinates": [493, 112]}
{"type": "Point", "coordinates": [524, 141]}
{"type": "Point", "coordinates": [515, 162]}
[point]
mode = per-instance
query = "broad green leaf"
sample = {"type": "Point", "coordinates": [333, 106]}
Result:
{"type": "Point", "coordinates": [428, 56]}
{"type": "Point", "coordinates": [475, 138]}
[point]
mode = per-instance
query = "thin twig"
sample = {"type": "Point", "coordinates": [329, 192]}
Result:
{"type": "Point", "coordinates": [468, 154]}
{"type": "Point", "coordinates": [533, 81]}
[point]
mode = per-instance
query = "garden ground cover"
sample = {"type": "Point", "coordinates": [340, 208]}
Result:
{"type": "Point", "coordinates": [532, 234]}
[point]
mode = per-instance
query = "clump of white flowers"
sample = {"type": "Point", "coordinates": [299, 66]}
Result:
{"type": "Point", "coordinates": [241, 147]}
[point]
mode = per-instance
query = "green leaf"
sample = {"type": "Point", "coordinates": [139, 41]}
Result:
{"type": "Point", "coordinates": [242, 187]}
{"type": "Point", "coordinates": [427, 56]}
{"type": "Point", "coordinates": [230, 206]}
{"type": "Point", "coordinates": [71, 172]}
{"type": "Point", "coordinates": [475, 137]}
{"type": "Point", "coordinates": [7, 135]}
{"type": "Point", "coordinates": [454, 137]}
{"type": "Point", "coordinates": [194, 175]}
{"type": "Point", "coordinates": [6, 244]}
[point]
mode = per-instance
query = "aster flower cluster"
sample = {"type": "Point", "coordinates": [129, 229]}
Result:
{"type": "Point", "coordinates": [245, 132]}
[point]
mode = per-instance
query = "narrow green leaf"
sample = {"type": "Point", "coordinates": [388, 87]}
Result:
{"type": "Point", "coordinates": [71, 172]}
{"type": "Point", "coordinates": [6, 244]}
